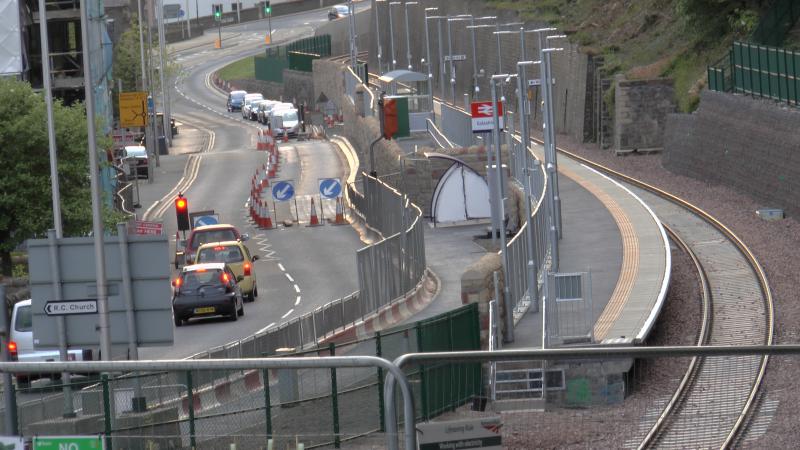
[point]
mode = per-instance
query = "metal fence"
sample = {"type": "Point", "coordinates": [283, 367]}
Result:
{"type": "Point", "coordinates": [394, 266]}
{"type": "Point", "coordinates": [277, 58]}
{"type": "Point", "coordinates": [758, 70]}
{"type": "Point", "coordinates": [776, 23]}
{"type": "Point", "coordinates": [456, 124]}
{"type": "Point", "coordinates": [245, 407]}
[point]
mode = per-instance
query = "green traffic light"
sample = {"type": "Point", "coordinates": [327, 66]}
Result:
{"type": "Point", "coordinates": [268, 10]}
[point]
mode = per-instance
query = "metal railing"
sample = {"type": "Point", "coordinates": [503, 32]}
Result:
{"type": "Point", "coordinates": [394, 266]}
{"type": "Point", "coordinates": [456, 124]}
{"type": "Point", "coordinates": [439, 137]}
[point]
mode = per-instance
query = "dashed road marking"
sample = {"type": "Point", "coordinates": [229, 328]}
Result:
{"type": "Point", "coordinates": [280, 266]}
{"type": "Point", "coordinates": [289, 277]}
{"type": "Point", "coordinates": [297, 288]}
{"type": "Point", "coordinates": [297, 302]}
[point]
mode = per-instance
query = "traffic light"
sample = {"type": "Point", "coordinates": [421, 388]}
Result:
{"type": "Point", "coordinates": [389, 125]}
{"type": "Point", "coordinates": [217, 12]}
{"type": "Point", "coordinates": [267, 8]}
{"type": "Point", "coordinates": [182, 213]}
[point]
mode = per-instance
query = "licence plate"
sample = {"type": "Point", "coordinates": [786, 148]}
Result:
{"type": "Point", "coordinates": [207, 309]}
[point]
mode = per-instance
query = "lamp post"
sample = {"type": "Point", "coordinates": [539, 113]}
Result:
{"type": "Point", "coordinates": [440, 63]}
{"type": "Point", "coordinates": [378, 36]}
{"type": "Point", "coordinates": [428, 58]}
{"type": "Point", "coordinates": [500, 209]}
{"type": "Point", "coordinates": [351, 18]}
{"type": "Point", "coordinates": [450, 54]}
{"type": "Point", "coordinates": [391, 31]}
{"type": "Point", "coordinates": [472, 28]}
{"type": "Point", "coordinates": [408, 37]}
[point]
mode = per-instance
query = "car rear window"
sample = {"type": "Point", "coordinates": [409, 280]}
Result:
{"type": "Point", "coordinates": [289, 116]}
{"type": "Point", "coordinates": [204, 237]}
{"type": "Point", "coordinates": [237, 96]}
{"type": "Point", "coordinates": [24, 320]}
{"type": "Point", "coordinates": [228, 254]}
{"type": "Point", "coordinates": [199, 278]}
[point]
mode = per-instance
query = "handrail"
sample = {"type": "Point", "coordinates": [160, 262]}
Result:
{"type": "Point", "coordinates": [431, 127]}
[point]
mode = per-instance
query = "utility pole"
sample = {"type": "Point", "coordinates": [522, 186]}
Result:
{"type": "Point", "coordinates": [97, 222]}
{"type": "Point", "coordinates": [10, 424]}
{"type": "Point", "coordinates": [378, 34]}
{"type": "Point", "coordinates": [391, 32]}
{"type": "Point", "coordinates": [428, 60]}
{"type": "Point", "coordinates": [164, 78]}
{"type": "Point", "coordinates": [149, 137]}
{"type": "Point", "coordinates": [408, 35]}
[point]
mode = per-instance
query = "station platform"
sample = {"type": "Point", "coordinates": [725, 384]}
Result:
{"type": "Point", "coordinates": [611, 234]}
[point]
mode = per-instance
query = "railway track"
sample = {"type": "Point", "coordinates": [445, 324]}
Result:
{"type": "Point", "coordinates": [717, 397]}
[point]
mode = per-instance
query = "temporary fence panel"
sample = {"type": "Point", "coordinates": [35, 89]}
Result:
{"type": "Point", "coordinates": [570, 318]}
{"type": "Point", "coordinates": [456, 125]}
{"type": "Point", "coordinates": [270, 67]}
{"type": "Point", "coordinates": [763, 71]}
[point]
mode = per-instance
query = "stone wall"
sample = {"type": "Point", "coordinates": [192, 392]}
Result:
{"type": "Point", "coordinates": [340, 33]}
{"type": "Point", "coordinates": [298, 87]}
{"type": "Point", "coordinates": [477, 286]}
{"type": "Point", "coordinates": [640, 113]}
{"type": "Point", "coordinates": [569, 67]}
{"type": "Point", "coordinates": [752, 145]}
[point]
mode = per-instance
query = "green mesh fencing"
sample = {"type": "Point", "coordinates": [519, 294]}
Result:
{"type": "Point", "coordinates": [302, 61]}
{"type": "Point", "coordinates": [294, 55]}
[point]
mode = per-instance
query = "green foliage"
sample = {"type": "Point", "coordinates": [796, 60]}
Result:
{"type": "Point", "coordinates": [127, 57]}
{"type": "Point", "coordinates": [25, 188]}
{"type": "Point", "coordinates": [244, 69]}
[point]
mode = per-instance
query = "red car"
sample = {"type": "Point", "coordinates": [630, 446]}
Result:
{"type": "Point", "coordinates": [204, 235]}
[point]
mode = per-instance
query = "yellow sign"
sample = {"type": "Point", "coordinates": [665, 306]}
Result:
{"type": "Point", "coordinates": [132, 109]}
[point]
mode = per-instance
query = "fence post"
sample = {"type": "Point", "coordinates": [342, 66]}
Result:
{"type": "Point", "coordinates": [267, 403]}
{"type": "Point", "coordinates": [379, 354]}
{"type": "Point", "coordinates": [423, 385]}
{"type": "Point", "coordinates": [106, 411]}
{"type": "Point", "coordinates": [190, 398]}
{"type": "Point", "coordinates": [334, 401]}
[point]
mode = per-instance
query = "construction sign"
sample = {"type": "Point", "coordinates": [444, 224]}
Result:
{"type": "Point", "coordinates": [132, 109]}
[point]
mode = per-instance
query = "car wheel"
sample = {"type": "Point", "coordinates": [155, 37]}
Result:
{"type": "Point", "coordinates": [241, 310]}
{"type": "Point", "coordinates": [255, 292]}
{"type": "Point", "coordinates": [178, 321]}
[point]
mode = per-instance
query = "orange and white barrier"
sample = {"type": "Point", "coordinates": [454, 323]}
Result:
{"type": "Point", "coordinates": [339, 219]}
{"type": "Point", "coordinates": [313, 218]}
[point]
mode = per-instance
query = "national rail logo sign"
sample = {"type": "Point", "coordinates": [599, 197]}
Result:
{"type": "Point", "coordinates": [482, 120]}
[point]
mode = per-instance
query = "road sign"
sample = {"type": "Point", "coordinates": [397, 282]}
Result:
{"type": "Point", "coordinates": [535, 82]}
{"type": "Point", "coordinates": [202, 218]}
{"type": "Point", "coordinates": [68, 443]}
{"type": "Point", "coordinates": [455, 57]}
{"type": "Point", "coordinates": [330, 187]}
{"type": "Point", "coordinates": [150, 104]}
{"type": "Point", "coordinates": [132, 112]}
{"type": "Point", "coordinates": [482, 119]}
{"type": "Point", "coordinates": [145, 227]}
{"type": "Point", "coordinates": [63, 308]}
{"type": "Point", "coordinates": [283, 191]}
{"type": "Point", "coordinates": [473, 434]}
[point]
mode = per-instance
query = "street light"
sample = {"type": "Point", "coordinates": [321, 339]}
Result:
{"type": "Point", "coordinates": [428, 56]}
{"type": "Point", "coordinates": [498, 200]}
{"type": "Point", "coordinates": [408, 38]}
{"type": "Point", "coordinates": [441, 51]}
{"type": "Point", "coordinates": [450, 53]}
{"type": "Point", "coordinates": [391, 31]}
{"type": "Point", "coordinates": [378, 36]}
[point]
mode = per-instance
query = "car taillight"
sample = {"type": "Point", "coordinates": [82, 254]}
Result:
{"type": "Point", "coordinates": [12, 350]}
{"type": "Point", "coordinates": [177, 283]}
{"type": "Point", "coordinates": [225, 278]}
{"type": "Point", "coordinates": [247, 269]}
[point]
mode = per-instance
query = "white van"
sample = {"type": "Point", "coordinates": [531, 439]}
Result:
{"type": "Point", "coordinates": [20, 345]}
{"type": "Point", "coordinates": [284, 121]}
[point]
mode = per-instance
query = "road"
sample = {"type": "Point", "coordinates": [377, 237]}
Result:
{"type": "Point", "coordinates": [301, 267]}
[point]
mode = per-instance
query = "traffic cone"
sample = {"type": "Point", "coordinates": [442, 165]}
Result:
{"type": "Point", "coordinates": [339, 220]}
{"type": "Point", "coordinates": [314, 220]}
{"type": "Point", "coordinates": [266, 218]}
{"type": "Point", "coordinates": [285, 136]}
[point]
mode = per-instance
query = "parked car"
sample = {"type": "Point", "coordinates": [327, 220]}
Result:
{"type": "Point", "coordinates": [262, 114]}
{"type": "Point", "coordinates": [248, 99]}
{"type": "Point", "coordinates": [254, 106]}
{"type": "Point", "coordinates": [235, 100]}
{"type": "Point", "coordinates": [273, 107]}
{"type": "Point", "coordinates": [204, 290]}
{"type": "Point", "coordinates": [203, 235]}
{"type": "Point", "coordinates": [338, 12]}
{"type": "Point", "coordinates": [138, 154]}
{"type": "Point", "coordinates": [284, 121]}
{"type": "Point", "coordinates": [20, 343]}
{"type": "Point", "coordinates": [236, 255]}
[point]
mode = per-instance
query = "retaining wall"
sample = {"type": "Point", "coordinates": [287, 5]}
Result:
{"type": "Point", "coordinates": [640, 113]}
{"type": "Point", "coordinates": [749, 144]}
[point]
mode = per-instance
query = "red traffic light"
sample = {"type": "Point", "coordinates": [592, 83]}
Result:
{"type": "Point", "coordinates": [180, 203]}
{"type": "Point", "coordinates": [182, 213]}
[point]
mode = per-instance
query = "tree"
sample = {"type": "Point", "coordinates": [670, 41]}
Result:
{"type": "Point", "coordinates": [25, 192]}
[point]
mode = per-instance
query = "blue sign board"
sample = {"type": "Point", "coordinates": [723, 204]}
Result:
{"type": "Point", "coordinates": [283, 191]}
{"type": "Point", "coordinates": [200, 221]}
{"type": "Point", "coordinates": [150, 104]}
{"type": "Point", "coordinates": [330, 187]}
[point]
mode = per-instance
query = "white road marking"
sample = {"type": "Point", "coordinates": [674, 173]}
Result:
{"type": "Point", "coordinates": [287, 313]}
{"type": "Point", "coordinates": [280, 266]}
{"type": "Point", "coordinates": [297, 302]}
{"type": "Point", "coordinates": [289, 277]}
{"type": "Point", "coordinates": [297, 288]}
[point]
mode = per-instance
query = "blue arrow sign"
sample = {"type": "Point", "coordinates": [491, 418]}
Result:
{"type": "Point", "coordinates": [150, 104]}
{"type": "Point", "coordinates": [205, 220]}
{"type": "Point", "coordinates": [282, 191]}
{"type": "Point", "coordinates": [330, 187]}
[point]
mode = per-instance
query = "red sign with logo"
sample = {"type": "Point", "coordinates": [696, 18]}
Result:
{"type": "Point", "coordinates": [482, 116]}
{"type": "Point", "coordinates": [152, 228]}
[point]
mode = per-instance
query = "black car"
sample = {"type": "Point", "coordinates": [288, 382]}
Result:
{"type": "Point", "coordinates": [338, 11]}
{"type": "Point", "coordinates": [204, 290]}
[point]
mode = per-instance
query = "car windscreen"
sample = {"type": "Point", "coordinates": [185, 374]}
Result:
{"type": "Point", "coordinates": [199, 278]}
{"type": "Point", "coordinates": [289, 116]}
{"type": "Point", "coordinates": [24, 321]}
{"type": "Point", "coordinates": [204, 237]}
{"type": "Point", "coordinates": [238, 97]}
{"type": "Point", "coordinates": [227, 254]}
{"type": "Point", "coordinates": [341, 9]}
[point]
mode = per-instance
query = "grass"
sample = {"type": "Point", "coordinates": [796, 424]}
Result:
{"type": "Point", "coordinates": [244, 69]}
{"type": "Point", "coordinates": [640, 38]}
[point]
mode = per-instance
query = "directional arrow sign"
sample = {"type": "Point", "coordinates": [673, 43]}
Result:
{"type": "Point", "coordinates": [330, 187]}
{"type": "Point", "coordinates": [283, 191]}
{"type": "Point", "coordinates": [70, 307]}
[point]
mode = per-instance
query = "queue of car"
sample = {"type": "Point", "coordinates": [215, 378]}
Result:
{"type": "Point", "coordinates": [281, 117]}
